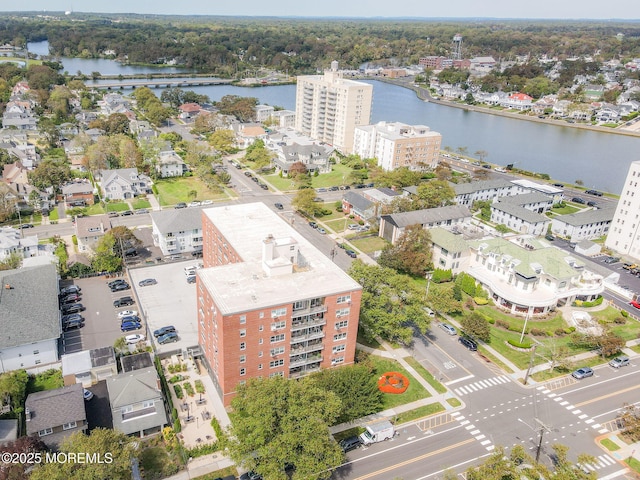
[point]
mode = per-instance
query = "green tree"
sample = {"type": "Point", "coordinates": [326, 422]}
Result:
{"type": "Point", "coordinates": [106, 258]}
{"type": "Point", "coordinates": [119, 448]}
{"type": "Point", "coordinates": [222, 140]}
{"type": "Point", "coordinates": [243, 108]}
{"type": "Point", "coordinates": [117, 123]}
{"type": "Point", "coordinates": [258, 154]}
{"type": "Point", "coordinates": [475, 325]}
{"type": "Point", "coordinates": [12, 262]}
{"type": "Point", "coordinates": [13, 386]}
{"type": "Point", "coordinates": [50, 173]}
{"type": "Point", "coordinates": [435, 193]}
{"type": "Point", "coordinates": [277, 422]}
{"type": "Point", "coordinates": [355, 385]}
{"type": "Point", "coordinates": [303, 201]}
{"type": "Point", "coordinates": [411, 254]}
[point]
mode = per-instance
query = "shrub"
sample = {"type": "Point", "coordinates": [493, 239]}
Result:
{"type": "Point", "coordinates": [480, 300]}
{"type": "Point", "coordinates": [440, 276]}
{"type": "Point", "coordinates": [202, 450]}
{"type": "Point", "coordinates": [189, 389]}
{"type": "Point", "coordinates": [624, 313]}
{"type": "Point", "coordinates": [560, 331]}
{"type": "Point", "coordinates": [620, 320]}
{"type": "Point", "coordinates": [517, 344]}
{"type": "Point", "coordinates": [176, 379]}
{"type": "Point", "coordinates": [549, 333]}
{"type": "Point", "coordinates": [178, 390]}
{"type": "Point", "coordinates": [515, 328]}
{"type": "Point", "coordinates": [502, 323]}
{"type": "Point", "coordinates": [491, 321]}
{"type": "Point", "coordinates": [177, 426]}
{"type": "Point", "coordinates": [537, 332]}
{"type": "Point", "coordinates": [199, 386]}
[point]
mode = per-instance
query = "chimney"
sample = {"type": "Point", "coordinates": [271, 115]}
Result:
{"type": "Point", "coordinates": [27, 414]}
{"type": "Point", "coordinates": [7, 286]}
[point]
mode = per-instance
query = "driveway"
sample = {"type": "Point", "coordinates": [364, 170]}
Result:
{"type": "Point", "coordinates": [98, 408]}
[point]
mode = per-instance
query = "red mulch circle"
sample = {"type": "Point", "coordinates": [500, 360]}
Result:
{"type": "Point", "coordinates": [393, 382]}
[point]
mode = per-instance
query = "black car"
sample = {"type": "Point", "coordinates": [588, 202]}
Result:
{"type": "Point", "coordinates": [351, 253]}
{"type": "Point", "coordinates": [247, 174]}
{"type": "Point", "coordinates": [279, 206]}
{"type": "Point", "coordinates": [333, 189]}
{"type": "Point", "coordinates": [350, 443]}
{"type": "Point", "coordinates": [559, 185]}
{"type": "Point", "coordinates": [591, 203]}
{"type": "Point", "coordinates": [264, 186]}
{"type": "Point", "coordinates": [70, 289]}
{"type": "Point", "coordinates": [72, 308]}
{"type": "Point", "coordinates": [123, 302]}
{"type": "Point", "coordinates": [118, 287]}
{"type": "Point", "coordinates": [578, 200]}
{"type": "Point", "coordinates": [467, 342]}
{"type": "Point", "coordinates": [313, 224]}
{"type": "Point", "coordinates": [180, 205]}
{"type": "Point", "coordinates": [71, 298]}
{"type": "Point", "coordinates": [72, 316]}
{"type": "Point", "coordinates": [164, 331]}
{"type": "Point", "coordinates": [126, 213]}
{"type": "Point", "coordinates": [594, 192]}
{"type": "Point", "coordinates": [26, 225]}
{"type": "Point", "coordinates": [116, 282]}
{"type": "Point", "coordinates": [72, 324]}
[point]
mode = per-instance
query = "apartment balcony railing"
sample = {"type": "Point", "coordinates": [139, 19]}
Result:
{"type": "Point", "coordinates": [300, 349]}
{"type": "Point", "coordinates": [305, 361]}
{"type": "Point", "coordinates": [307, 310]}
{"type": "Point", "coordinates": [305, 371]}
{"type": "Point", "coordinates": [305, 337]}
{"type": "Point", "coordinates": [298, 325]}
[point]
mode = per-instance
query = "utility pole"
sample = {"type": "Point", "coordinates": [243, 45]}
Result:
{"type": "Point", "coordinates": [543, 428]}
{"type": "Point", "coordinates": [533, 354]}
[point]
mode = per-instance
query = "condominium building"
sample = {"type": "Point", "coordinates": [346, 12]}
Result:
{"type": "Point", "coordinates": [269, 303]}
{"type": "Point", "coordinates": [395, 145]}
{"type": "Point", "coordinates": [329, 107]}
{"type": "Point", "coordinates": [624, 234]}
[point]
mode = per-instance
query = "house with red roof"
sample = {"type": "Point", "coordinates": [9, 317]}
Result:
{"type": "Point", "coordinates": [189, 110]}
{"type": "Point", "coordinates": [517, 101]}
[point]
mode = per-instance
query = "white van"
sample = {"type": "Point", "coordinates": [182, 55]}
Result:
{"type": "Point", "coordinates": [189, 271]}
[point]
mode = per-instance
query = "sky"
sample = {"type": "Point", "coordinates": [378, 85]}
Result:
{"type": "Point", "coordinates": [564, 9]}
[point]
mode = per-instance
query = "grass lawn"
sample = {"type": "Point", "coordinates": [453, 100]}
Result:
{"type": "Point", "coordinates": [361, 339]}
{"type": "Point", "coordinates": [140, 202]}
{"type": "Point", "coordinates": [175, 190]}
{"type": "Point", "coordinates": [454, 402]}
{"type": "Point", "coordinates": [338, 176]}
{"type": "Point", "coordinates": [566, 210]}
{"type": "Point", "coordinates": [334, 214]}
{"type": "Point", "coordinates": [424, 373]}
{"type": "Point", "coordinates": [281, 183]}
{"type": "Point", "coordinates": [628, 331]}
{"type": "Point", "coordinates": [390, 400]}
{"type": "Point", "coordinates": [116, 206]}
{"type": "Point", "coordinates": [633, 464]}
{"type": "Point", "coordinates": [223, 473]}
{"type": "Point", "coordinates": [369, 244]}
{"type": "Point", "coordinates": [338, 225]}
{"type": "Point", "coordinates": [157, 463]}
{"type": "Point", "coordinates": [419, 412]}
{"type": "Point", "coordinates": [609, 445]}
{"type": "Point", "coordinates": [48, 380]}
{"type": "Point", "coordinates": [53, 215]}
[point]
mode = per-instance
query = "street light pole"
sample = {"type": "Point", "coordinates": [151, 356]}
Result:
{"type": "Point", "coordinates": [543, 428]}
{"type": "Point", "coordinates": [428, 276]}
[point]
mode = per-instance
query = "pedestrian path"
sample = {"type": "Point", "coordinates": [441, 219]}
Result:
{"type": "Point", "coordinates": [481, 385]}
{"type": "Point", "coordinates": [473, 431]}
{"type": "Point", "coordinates": [601, 461]}
{"type": "Point", "coordinates": [572, 409]}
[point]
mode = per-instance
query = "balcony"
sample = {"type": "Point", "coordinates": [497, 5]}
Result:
{"type": "Point", "coordinates": [315, 322]}
{"type": "Point", "coordinates": [302, 371]}
{"type": "Point", "coordinates": [298, 362]}
{"type": "Point", "coordinates": [300, 349]}
{"type": "Point", "coordinates": [306, 310]}
{"type": "Point", "coordinates": [308, 336]}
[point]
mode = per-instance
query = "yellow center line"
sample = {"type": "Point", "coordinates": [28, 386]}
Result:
{"type": "Point", "coordinates": [415, 459]}
{"type": "Point", "coordinates": [607, 396]}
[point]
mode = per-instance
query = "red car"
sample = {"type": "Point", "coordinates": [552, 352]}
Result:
{"type": "Point", "coordinates": [634, 303]}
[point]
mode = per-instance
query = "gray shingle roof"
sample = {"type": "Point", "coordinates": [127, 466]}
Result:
{"type": "Point", "coordinates": [429, 215]}
{"type": "Point", "coordinates": [587, 217]}
{"type": "Point", "coordinates": [526, 198]}
{"type": "Point", "coordinates": [53, 408]}
{"type": "Point", "coordinates": [29, 308]}
{"type": "Point", "coordinates": [465, 188]}
{"type": "Point", "coordinates": [177, 220]}
{"type": "Point", "coordinates": [358, 201]}
{"type": "Point", "coordinates": [133, 387]}
{"type": "Point", "coordinates": [519, 212]}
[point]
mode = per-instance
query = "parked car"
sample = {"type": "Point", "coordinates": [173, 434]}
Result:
{"type": "Point", "coordinates": [334, 189]}
{"type": "Point", "coordinates": [191, 278]}
{"type": "Point", "coordinates": [350, 443]}
{"type": "Point", "coordinates": [629, 266]}
{"type": "Point", "coordinates": [147, 282]}
{"type": "Point", "coordinates": [195, 203]}
{"type": "Point", "coordinates": [116, 282]}
{"type": "Point", "coordinates": [611, 260]}
{"type": "Point", "coordinates": [118, 287]}
{"type": "Point", "coordinates": [559, 185]}
{"type": "Point", "coordinates": [351, 253]}
{"type": "Point", "coordinates": [71, 298]}
{"type": "Point", "coordinates": [353, 226]}
{"type": "Point", "coordinates": [467, 342]}
{"type": "Point", "coordinates": [313, 224]}
{"type": "Point", "coordinates": [549, 237]}
{"type": "Point", "coordinates": [72, 308]}
{"type": "Point", "coordinates": [131, 252]}
{"type": "Point", "coordinates": [279, 206]}
{"type": "Point", "coordinates": [72, 324]}
{"type": "Point", "coordinates": [594, 192]}
{"type": "Point", "coordinates": [113, 214]}
{"type": "Point", "coordinates": [578, 200]}
{"type": "Point", "coordinates": [264, 186]}
{"type": "Point", "coordinates": [168, 338]}
{"type": "Point", "coordinates": [207, 202]}
{"type": "Point", "coordinates": [321, 230]}
{"type": "Point", "coordinates": [130, 318]}
{"type": "Point", "coordinates": [134, 338]}
{"type": "Point", "coordinates": [87, 394]}
{"type": "Point", "coordinates": [583, 372]}
{"type": "Point", "coordinates": [127, 313]}
{"type": "Point", "coordinates": [450, 329]}
{"type": "Point", "coordinates": [71, 317]}
{"type": "Point", "coordinates": [129, 326]}
{"type": "Point", "coordinates": [621, 361]}
{"type": "Point", "coordinates": [180, 205]}
{"type": "Point", "coordinates": [126, 213]}
{"type": "Point", "coordinates": [164, 330]}
{"type": "Point", "coordinates": [591, 203]}
{"type": "Point", "coordinates": [634, 303]}
{"type": "Point", "coordinates": [140, 211]}
{"type": "Point", "coordinates": [70, 289]}
{"type": "Point", "coordinates": [26, 225]}
{"type": "Point", "coordinates": [123, 302]}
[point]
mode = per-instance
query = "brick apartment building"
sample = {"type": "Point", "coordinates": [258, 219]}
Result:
{"type": "Point", "coordinates": [269, 302]}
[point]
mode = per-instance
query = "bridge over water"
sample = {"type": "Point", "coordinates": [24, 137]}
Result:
{"type": "Point", "coordinates": [159, 83]}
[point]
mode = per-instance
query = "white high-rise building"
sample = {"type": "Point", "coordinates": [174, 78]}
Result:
{"type": "Point", "coordinates": [624, 234]}
{"type": "Point", "coordinates": [397, 145]}
{"type": "Point", "coordinates": [329, 107]}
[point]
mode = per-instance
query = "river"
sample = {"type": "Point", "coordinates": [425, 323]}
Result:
{"type": "Point", "coordinates": [599, 160]}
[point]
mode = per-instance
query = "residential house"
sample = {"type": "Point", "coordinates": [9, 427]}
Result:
{"type": "Point", "coordinates": [593, 92]}
{"type": "Point", "coordinates": [284, 118]}
{"type": "Point", "coordinates": [524, 280]}
{"type": "Point", "coordinates": [247, 134]}
{"type": "Point", "coordinates": [170, 164]}
{"type": "Point", "coordinates": [264, 112]}
{"type": "Point", "coordinates": [177, 231]}
{"type": "Point", "coordinates": [361, 208]}
{"type": "Point", "coordinates": [19, 116]}
{"type": "Point", "coordinates": [137, 404]}
{"type": "Point", "coordinates": [89, 366]}
{"type": "Point", "coordinates": [78, 193]}
{"type": "Point", "coordinates": [522, 213]}
{"type": "Point", "coordinates": [485, 190]}
{"type": "Point", "coordinates": [90, 230]}
{"type": "Point", "coordinates": [114, 103]}
{"type": "Point", "coordinates": [54, 415]}
{"type": "Point", "coordinates": [561, 108]}
{"type": "Point", "coordinates": [189, 111]}
{"type": "Point", "coordinates": [15, 176]}
{"type": "Point", "coordinates": [450, 250]}
{"type": "Point", "coordinates": [12, 241]}
{"type": "Point", "coordinates": [124, 183]}
{"type": "Point", "coordinates": [583, 225]}
{"type": "Point", "coordinates": [315, 157]}
{"type": "Point", "coordinates": [392, 226]}
{"type": "Point", "coordinates": [527, 186]}
{"type": "Point", "coordinates": [608, 113]}
{"type": "Point", "coordinates": [29, 294]}
{"type": "Point", "coordinates": [517, 101]}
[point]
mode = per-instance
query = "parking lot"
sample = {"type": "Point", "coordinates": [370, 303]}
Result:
{"type": "Point", "coordinates": [172, 301]}
{"type": "Point", "coordinates": [102, 326]}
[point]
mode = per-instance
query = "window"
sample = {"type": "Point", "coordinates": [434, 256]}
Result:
{"type": "Point", "coordinates": [148, 404]}
{"type": "Point", "coordinates": [243, 371]}
{"type": "Point", "coordinates": [259, 354]}
{"type": "Point", "coordinates": [278, 325]}
{"type": "Point", "coordinates": [340, 336]}
{"type": "Point", "coordinates": [261, 328]}
{"type": "Point", "coordinates": [276, 351]}
{"type": "Point", "coordinates": [342, 324]}
{"type": "Point", "coordinates": [344, 299]}
{"type": "Point", "coordinates": [46, 431]}
{"type": "Point", "coordinates": [278, 312]}
{"type": "Point", "coordinates": [127, 409]}
{"type": "Point", "coordinates": [337, 360]}
{"type": "Point", "coordinates": [243, 346]}
{"type": "Point", "coordinates": [342, 312]}
{"type": "Point", "coordinates": [259, 366]}
{"type": "Point", "coordinates": [243, 358]}
{"type": "Point", "coordinates": [276, 363]}
{"type": "Point", "coordinates": [243, 319]}
{"type": "Point", "coordinates": [339, 348]}
{"type": "Point", "coordinates": [260, 340]}
{"type": "Point", "coordinates": [276, 374]}
{"type": "Point", "coordinates": [243, 333]}
{"type": "Point", "coordinates": [69, 426]}
{"type": "Point", "coordinates": [277, 338]}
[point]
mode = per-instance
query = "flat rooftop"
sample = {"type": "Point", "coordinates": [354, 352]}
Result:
{"type": "Point", "coordinates": [245, 286]}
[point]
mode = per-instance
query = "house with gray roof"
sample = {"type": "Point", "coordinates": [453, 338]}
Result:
{"type": "Point", "coordinates": [90, 230]}
{"type": "Point", "coordinates": [530, 279]}
{"type": "Point", "coordinates": [78, 193]}
{"type": "Point", "coordinates": [393, 225]}
{"type": "Point", "coordinates": [124, 183]}
{"type": "Point", "coordinates": [137, 404]}
{"type": "Point", "coordinates": [170, 164]}
{"type": "Point", "coordinates": [29, 317]}
{"type": "Point", "coordinates": [450, 250]}
{"type": "Point", "coordinates": [584, 225]}
{"type": "Point", "coordinates": [89, 366]}
{"type": "Point", "coordinates": [361, 208]}
{"type": "Point", "coordinates": [522, 213]}
{"type": "Point", "coordinates": [178, 230]}
{"type": "Point", "coordinates": [467, 193]}
{"type": "Point", "coordinates": [54, 415]}
{"type": "Point", "coordinates": [314, 156]}
{"type": "Point", "coordinates": [11, 242]}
